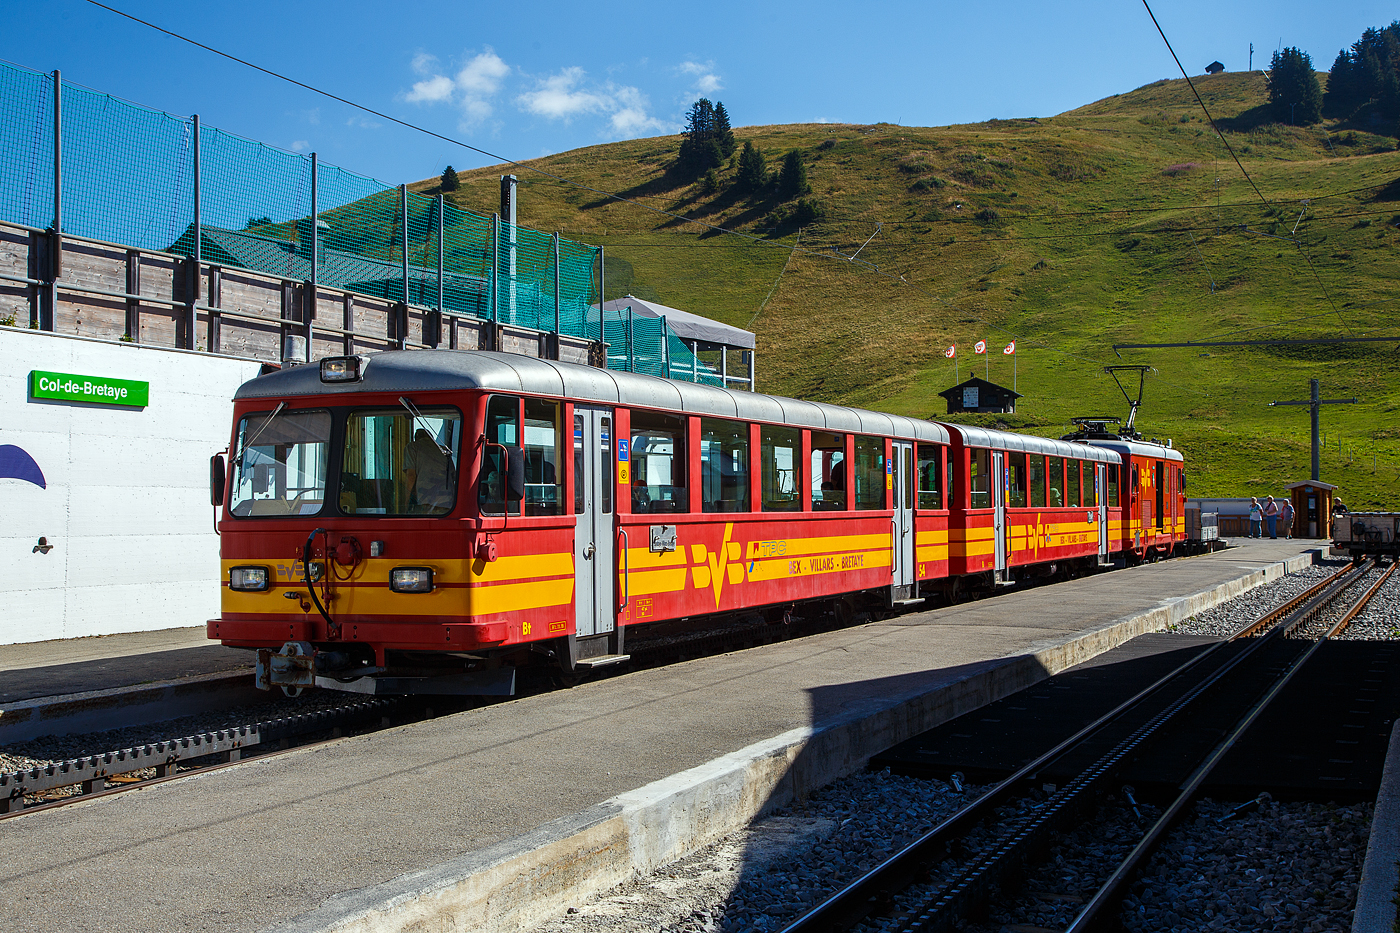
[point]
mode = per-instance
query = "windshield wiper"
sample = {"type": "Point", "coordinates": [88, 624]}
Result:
{"type": "Point", "coordinates": [418, 417]}
{"type": "Point", "coordinates": [275, 412]}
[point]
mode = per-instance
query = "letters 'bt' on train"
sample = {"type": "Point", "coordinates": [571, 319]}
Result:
{"type": "Point", "coordinates": [435, 521]}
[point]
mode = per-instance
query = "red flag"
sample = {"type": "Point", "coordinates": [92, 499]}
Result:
{"type": "Point", "coordinates": [981, 346]}
{"type": "Point", "coordinates": [951, 351]}
{"type": "Point", "coordinates": [1010, 348]}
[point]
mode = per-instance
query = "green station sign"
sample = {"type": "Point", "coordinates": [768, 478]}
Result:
{"type": "Point", "coordinates": [97, 390]}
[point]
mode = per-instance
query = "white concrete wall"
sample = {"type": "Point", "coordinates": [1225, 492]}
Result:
{"type": "Point", "coordinates": [127, 499]}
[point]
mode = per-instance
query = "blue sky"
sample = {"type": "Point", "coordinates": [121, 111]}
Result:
{"type": "Point", "coordinates": [523, 80]}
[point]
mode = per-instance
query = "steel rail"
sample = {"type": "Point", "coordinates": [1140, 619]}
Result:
{"type": "Point", "coordinates": [852, 903]}
{"type": "Point", "coordinates": [91, 771]}
{"type": "Point", "coordinates": [1361, 603]}
{"type": "Point", "coordinates": [1095, 913]}
{"type": "Point", "coordinates": [1272, 616]}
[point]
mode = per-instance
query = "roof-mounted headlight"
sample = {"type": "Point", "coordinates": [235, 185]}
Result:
{"type": "Point", "coordinates": [341, 369]}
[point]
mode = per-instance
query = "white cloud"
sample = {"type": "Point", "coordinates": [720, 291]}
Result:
{"type": "Point", "coordinates": [559, 98]}
{"type": "Point", "coordinates": [435, 89]}
{"type": "Point", "coordinates": [300, 145]}
{"type": "Point", "coordinates": [471, 89]}
{"type": "Point", "coordinates": [483, 75]}
{"type": "Point", "coordinates": [706, 81]}
{"type": "Point", "coordinates": [567, 94]}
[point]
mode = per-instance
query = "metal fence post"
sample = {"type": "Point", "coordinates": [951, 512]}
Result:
{"type": "Point", "coordinates": [602, 317]}
{"type": "Point", "coordinates": [556, 292]}
{"type": "Point", "coordinates": [49, 315]}
{"type": "Point", "coordinates": [441, 219]}
{"type": "Point", "coordinates": [198, 256]}
{"type": "Point", "coordinates": [631, 343]}
{"type": "Point", "coordinates": [665, 348]}
{"type": "Point", "coordinates": [495, 272]}
{"type": "Point", "coordinates": [314, 288]}
{"type": "Point", "coordinates": [403, 242]}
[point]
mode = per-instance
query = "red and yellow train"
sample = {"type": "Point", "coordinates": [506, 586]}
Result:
{"type": "Point", "coordinates": [432, 521]}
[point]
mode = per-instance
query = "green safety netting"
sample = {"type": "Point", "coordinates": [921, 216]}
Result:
{"type": "Point", "coordinates": [130, 176]}
{"type": "Point", "coordinates": [644, 344]}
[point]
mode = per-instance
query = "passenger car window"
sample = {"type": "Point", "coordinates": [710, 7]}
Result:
{"type": "Point", "coordinates": [870, 473]}
{"type": "Point", "coordinates": [542, 457]}
{"type": "Point", "coordinates": [1072, 482]}
{"type": "Point", "coordinates": [781, 458]}
{"type": "Point", "coordinates": [724, 466]}
{"type": "Point", "coordinates": [980, 479]}
{"type": "Point", "coordinates": [828, 472]}
{"type": "Point", "coordinates": [930, 476]}
{"type": "Point", "coordinates": [1016, 481]}
{"type": "Point", "coordinates": [658, 463]}
{"type": "Point", "coordinates": [503, 428]}
{"type": "Point", "coordinates": [1055, 480]}
{"type": "Point", "coordinates": [1036, 473]}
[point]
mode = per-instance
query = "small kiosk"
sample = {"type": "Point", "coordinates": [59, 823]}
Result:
{"type": "Point", "coordinates": [1312, 508]}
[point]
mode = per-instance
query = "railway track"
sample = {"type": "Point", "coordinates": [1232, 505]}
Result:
{"type": "Point", "coordinates": [70, 781]}
{"type": "Point", "coordinates": [924, 887]}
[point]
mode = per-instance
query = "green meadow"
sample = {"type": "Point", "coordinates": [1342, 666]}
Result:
{"type": "Point", "coordinates": [1124, 221]}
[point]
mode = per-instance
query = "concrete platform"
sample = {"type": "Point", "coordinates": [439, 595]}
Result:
{"type": "Point", "coordinates": [497, 818]}
{"type": "Point", "coordinates": [110, 662]}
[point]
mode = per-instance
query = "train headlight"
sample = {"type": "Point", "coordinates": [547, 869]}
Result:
{"type": "Point", "coordinates": [248, 579]}
{"type": "Point", "coordinates": [340, 369]}
{"type": "Point", "coordinates": [411, 580]}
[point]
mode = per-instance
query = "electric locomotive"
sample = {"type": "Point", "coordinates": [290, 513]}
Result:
{"type": "Point", "coordinates": [433, 521]}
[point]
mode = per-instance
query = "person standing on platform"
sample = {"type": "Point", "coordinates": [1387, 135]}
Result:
{"type": "Point", "coordinates": [1286, 517]}
{"type": "Point", "coordinates": [1256, 516]}
{"type": "Point", "coordinates": [1271, 511]}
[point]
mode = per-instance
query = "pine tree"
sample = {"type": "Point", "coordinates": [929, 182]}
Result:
{"type": "Point", "coordinates": [1294, 93]}
{"type": "Point", "coordinates": [449, 180]}
{"type": "Point", "coordinates": [792, 180]}
{"type": "Point", "coordinates": [1343, 86]}
{"type": "Point", "coordinates": [724, 135]}
{"type": "Point", "coordinates": [753, 171]}
{"type": "Point", "coordinates": [699, 130]}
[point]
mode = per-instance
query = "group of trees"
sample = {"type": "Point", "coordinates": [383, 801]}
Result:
{"type": "Point", "coordinates": [1294, 93]}
{"type": "Point", "coordinates": [1368, 71]}
{"type": "Point", "coordinates": [708, 141]}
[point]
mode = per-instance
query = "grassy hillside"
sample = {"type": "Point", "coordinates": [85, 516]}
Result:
{"type": "Point", "coordinates": [1124, 221]}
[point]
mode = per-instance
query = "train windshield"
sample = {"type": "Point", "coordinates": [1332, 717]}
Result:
{"type": "Point", "coordinates": [400, 462]}
{"type": "Point", "coordinates": [280, 465]}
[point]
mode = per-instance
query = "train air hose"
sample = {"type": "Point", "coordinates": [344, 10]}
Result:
{"type": "Point", "coordinates": [332, 629]}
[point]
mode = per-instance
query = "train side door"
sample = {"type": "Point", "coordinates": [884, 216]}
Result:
{"type": "Point", "coordinates": [595, 608]}
{"type": "Point", "coordinates": [902, 466]}
{"type": "Point", "coordinates": [1099, 493]}
{"type": "Point", "coordinates": [999, 481]}
{"type": "Point", "coordinates": [1159, 481]}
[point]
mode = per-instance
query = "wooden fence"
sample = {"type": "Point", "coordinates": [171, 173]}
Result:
{"type": "Point", "coordinates": [114, 292]}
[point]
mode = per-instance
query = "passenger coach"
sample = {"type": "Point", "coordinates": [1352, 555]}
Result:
{"type": "Point", "coordinates": [431, 520]}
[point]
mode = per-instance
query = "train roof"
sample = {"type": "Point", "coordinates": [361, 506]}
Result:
{"type": "Point", "coordinates": [1138, 448]}
{"type": "Point", "coordinates": [1006, 440]}
{"type": "Point", "coordinates": [491, 371]}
